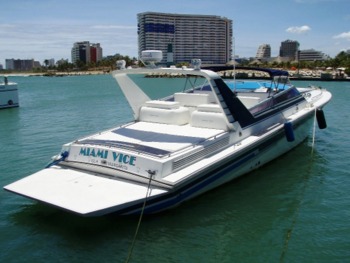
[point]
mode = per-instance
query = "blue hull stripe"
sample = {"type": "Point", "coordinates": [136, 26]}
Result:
{"type": "Point", "coordinates": [180, 197]}
{"type": "Point", "coordinates": [174, 198]}
{"type": "Point", "coordinates": [187, 190]}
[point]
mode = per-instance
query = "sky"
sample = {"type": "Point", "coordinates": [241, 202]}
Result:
{"type": "Point", "coordinates": [45, 29]}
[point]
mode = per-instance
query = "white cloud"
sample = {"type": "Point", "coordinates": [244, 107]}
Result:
{"type": "Point", "coordinates": [298, 29]}
{"type": "Point", "coordinates": [345, 35]}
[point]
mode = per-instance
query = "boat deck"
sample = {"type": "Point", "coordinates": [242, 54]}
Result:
{"type": "Point", "coordinates": [154, 139]}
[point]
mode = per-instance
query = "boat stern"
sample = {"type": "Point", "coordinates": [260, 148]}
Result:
{"type": "Point", "coordinates": [83, 193]}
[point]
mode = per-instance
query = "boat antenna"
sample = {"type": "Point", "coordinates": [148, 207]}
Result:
{"type": "Point", "coordinates": [234, 64]}
{"type": "Point", "coordinates": [149, 58]}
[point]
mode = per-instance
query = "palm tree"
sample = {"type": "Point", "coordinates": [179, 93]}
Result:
{"type": "Point", "coordinates": [46, 63]}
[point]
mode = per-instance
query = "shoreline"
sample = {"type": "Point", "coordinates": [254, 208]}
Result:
{"type": "Point", "coordinates": [293, 79]}
{"type": "Point", "coordinates": [100, 72]}
{"type": "Point", "coordinates": [54, 74]}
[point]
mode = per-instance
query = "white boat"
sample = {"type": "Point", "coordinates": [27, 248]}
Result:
{"type": "Point", "coordinates": [8, 94]}
{"type": "Point", "coordinates": [177, 147]}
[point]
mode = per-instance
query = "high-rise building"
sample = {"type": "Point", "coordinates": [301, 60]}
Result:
{"type": "Point", "coordinates": [289, 48]}
{"type": "Point", "coordinates": [81, 52]}
{"type": "Point", "coordinates": [86, 52]}
{"type": "Point", "coordinates": [21, 64]}
{"type": "Point", "coordinates": [10, 64]}
{"type": "Point", "coordinates": [95, 52]}
{"type": "Point", "coordinates": [206, 37]}
{"type": "Point", "coordinates": [264, 52]}
{"type": "Point", "coordinates": [51, 62]}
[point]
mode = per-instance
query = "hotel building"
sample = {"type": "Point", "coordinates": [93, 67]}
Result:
{"type": "Point", "coordinates": [182, 37]}
{"type": "Point", "coordinates": [312, 55]}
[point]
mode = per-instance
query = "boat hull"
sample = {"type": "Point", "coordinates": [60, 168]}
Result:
{"type": "Point", "coordinates": [229, 169]}
{"type": "Point", "coordinates": [90, 194]}
{"type": "Point", "coordinates": [177, 148]}
{"type": "Point", "coordinates": [8, 96]}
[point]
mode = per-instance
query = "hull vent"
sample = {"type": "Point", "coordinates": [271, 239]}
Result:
{"type": "Point", "coordinates": [185, 161]}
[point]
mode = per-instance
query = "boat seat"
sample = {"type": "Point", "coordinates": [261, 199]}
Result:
{"type": "Point", "coordinates": [211, 98]}
{"type": "Point", "coordinates": [209, 108]}
{"type": "Point", "coordinates": [162, 104]}
{"type": "Point", "coordinates": [167, 112]}
{"type": "Point", "coordinates": [191, 99]}
{"type": "Point", "coordinates": [209, 116]}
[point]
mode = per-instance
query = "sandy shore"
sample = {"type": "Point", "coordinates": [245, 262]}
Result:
{"type": "Point", "coordinates": [56, 74]}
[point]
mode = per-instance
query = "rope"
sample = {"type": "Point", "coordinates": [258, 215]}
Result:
{"type": "Point", "coordinates": [64, 155]}
{"type": "Point", "coordinates": [313, 134]}
{"type": "Point", "coordinates": [148, 192]}
{"type": "Point", "coordinates": [294, 221]}
{"type": "Point", "coordinates": [290, 230]}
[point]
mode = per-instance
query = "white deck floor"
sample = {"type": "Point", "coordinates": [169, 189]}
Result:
{"type": "Point", "coordinates": [79, 191]}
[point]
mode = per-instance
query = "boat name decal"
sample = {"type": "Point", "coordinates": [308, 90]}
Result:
{"type": "Point", "coordinates": [103, 154]}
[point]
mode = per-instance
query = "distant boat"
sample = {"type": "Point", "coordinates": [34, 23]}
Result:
{"type": "Point", "coordinates": [8, 94]}
{"type": "Point", "coordinates": [180, 146]}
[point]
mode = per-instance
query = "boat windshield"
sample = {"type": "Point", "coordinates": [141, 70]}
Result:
{"type": "Point", "coordinates": [280, 82]}
{"type": "Point", "coordinates": [164, 85]}
{"type": "Point", "coordinates": [277, 84]}
{"type": "Point", "coordinates": [271, 102]}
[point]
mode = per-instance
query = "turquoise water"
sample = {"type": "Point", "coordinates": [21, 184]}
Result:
{"type": "Point", "coordinates": [295, 209]}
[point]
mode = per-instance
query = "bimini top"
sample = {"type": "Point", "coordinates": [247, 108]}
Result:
{"type": "Point", "coordinates": [272, 72]}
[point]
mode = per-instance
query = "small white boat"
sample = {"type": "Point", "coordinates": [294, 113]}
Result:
{"type": "Point", "coordinates": [8, 94]}
{"type": "Point", "coordinates": [177, 147]}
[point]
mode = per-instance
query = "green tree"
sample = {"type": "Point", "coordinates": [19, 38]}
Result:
{"type": "Point", "coordinates": [46, 63]}
{"type": "Point", "coordinates": [65, 66]}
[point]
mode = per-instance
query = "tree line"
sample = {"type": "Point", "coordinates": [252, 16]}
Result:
{"type": "Point", "coordinates": [106, 64]}
{"type": "Point", "coordinates": [109, 63]}
{"type": "Point", "coordinates": [342, 60]}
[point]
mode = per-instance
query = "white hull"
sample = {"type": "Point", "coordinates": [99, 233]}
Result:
{"type": "Point", "coordinates": [234, 169]}
{"type": "Point", "coordinates": [100, 196]}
